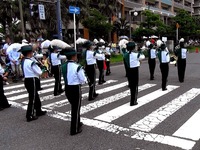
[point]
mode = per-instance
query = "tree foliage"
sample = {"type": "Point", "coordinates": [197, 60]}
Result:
{"type": "Point", "coordinates": [186, 22]}
{"type": "Point", "coordinates": [97, 24]}
{"type": "Point", "coordinates": [121, 26]}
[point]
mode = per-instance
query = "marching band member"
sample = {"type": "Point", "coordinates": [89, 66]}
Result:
{"type": "Point", "coordinates": [3, 100]}
{"type": "Point", "coordinates": [132, 60]}
{"type": "Point", "coordinates": [164, 58]}
{"type": "Point", "coordinates": [31, 71]}
{"type": "Point", "coordinates": [181, 62]}
{"type": "Point", "coordinates": [90, 57]}
{"type": "Point", "coordinates": [107, 56]}
{"type": "Point", "coordinates": [55, 60]}
{"type": "Point", "coordinates": [100, 64]}
{"type": "Point", "coordinates": [151, 60]}
{"type": "Point", "coordinates": [74, 77]}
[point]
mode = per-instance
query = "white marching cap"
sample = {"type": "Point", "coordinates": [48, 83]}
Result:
{"type": "Point", "coordinates": [102, 41]}
{"type": "Point", "coordinates": [181, 40]}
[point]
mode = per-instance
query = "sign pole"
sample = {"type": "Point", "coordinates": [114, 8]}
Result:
{"type": "Point", "coordinates": [74, 30]}
{"type": "Point", "coordinates": [59, 21]}
{"type": "Point", "coordinates": [176, 34]}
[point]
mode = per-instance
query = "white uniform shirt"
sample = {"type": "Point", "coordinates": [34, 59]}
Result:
{"type": "Point", "coordinates": [31, 70]}
{"type": "Point", "coordinates": [5, 47]}
{"type": "Point", "coordinates": [74, 77]}
{"type": "Point", "coordinates": [183, 53]}
{"type": "Point", "coordinates": [14, 55]}
{"type": "Point", "coordinates": [91, 59]}
{"type": "Point", "coordinates": [56, 59]}
{"type": "Point", "coordinates": [1, 70]}
{"type": "Point", "coordinates": [134, 60]}
{"type": "Point", "coordinates": [165, 56]}
{"type": "Point", "coordinates": [153, 53]}
{"type": "Point", "coordinates": [103, 55]}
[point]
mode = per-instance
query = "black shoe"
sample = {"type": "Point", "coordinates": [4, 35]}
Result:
{"type": "Point", "coordinates": [135, 103]}
{"type": "Point", "coordinates": [95, 95]}
{"type": "Point", "coordinates": [61, 91]}
{"type": "Point", "coordinates": [152, 78]}
{"type": "Point", "coordinates": [8, 106]}
{"type": "Point", "coordinates": [1, 108]}
{"type": "Point", "coordinates": [103, 81]}
{"type": "Point", "coordinates": [91, 99]}
{"type": "Point", "coordinates": [31, 118]}
{"type": "Point", "coordinates": [100, 83]}
{"type": "Point", "coordinates": [42, 113]}
{"type": "Point", "coordinates": [40, 89]}
{"type": "Point", "coordinates": [79, 131]}
{"type": "Point", "coordinates": [80, 125]}
{"type": "Point", "coordinates": [164, 89]}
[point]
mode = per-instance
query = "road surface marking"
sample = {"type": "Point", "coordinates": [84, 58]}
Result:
{"type": "Point", "coordinates": [155, 118]}
{"type": "Point", "coordinates": [85, 95]}
{"type": "Point", "coordinates": [189, 129]}
{"type": "Point", "coordinates": [126, 108]}
{"type": "Point", "coordinates": [108, 100]}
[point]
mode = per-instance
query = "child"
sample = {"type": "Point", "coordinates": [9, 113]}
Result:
{"type": "Point", "coordinates": [46, 63]}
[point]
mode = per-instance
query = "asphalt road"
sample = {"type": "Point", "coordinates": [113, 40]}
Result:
{"type": "Point", "coordinates": [162, 120]}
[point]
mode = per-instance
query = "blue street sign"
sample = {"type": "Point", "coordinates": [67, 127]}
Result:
{"type": "Point", "coordinates": [74, 10]}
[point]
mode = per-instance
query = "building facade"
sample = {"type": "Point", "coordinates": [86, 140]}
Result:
{"type": "Point", "coordinates": [196, 7]}
{"type": "Point", "coordinates": [166, 8]}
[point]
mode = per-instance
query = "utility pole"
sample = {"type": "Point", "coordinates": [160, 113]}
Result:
{"type": "Point", "coordinates": [59, 20]}
{"type": "Point", "coordinates": [21, 18]}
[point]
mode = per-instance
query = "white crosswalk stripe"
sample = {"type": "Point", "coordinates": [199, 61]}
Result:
{"type": "Point", "coordinates": [152, 120]}
{"type": "Point", "coordinates": [124, 109]}
{"type": "Point", "coordinates": [184, 137]}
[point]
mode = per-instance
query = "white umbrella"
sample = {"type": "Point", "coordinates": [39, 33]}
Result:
{"type": "Point", "coordinates": [102, 41]}
{"type": "Point", "coordinates": [60, 44]}
{"type": "Point", "coordinates": [123, 42]}
{"type": "Point", "coordinates": [14, 46]}
{"type": "Point", "coordinates": [144, 37]}
{"type": "Point", "coordinates": [96, 41]}
{"type": "Point", "coordinates": [81, 41]}
{"type": "Point", "coordinates": [154, 37]}
{"type": "Point", "coordinates": [159, 42]}
{"type": "Point", "coordinates": [45, 44]}
{"type": "Point", "coordinates": [123, 37]}
{"type": "Point", "coordinates": [148, 43]}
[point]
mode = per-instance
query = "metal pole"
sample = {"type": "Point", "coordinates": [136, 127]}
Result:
{"type": "Point", "coordinates": [176, 34]}
{"type": "Point", "coordinates": [130, 25]}
{"type": "Point", "coordinates": [59, 20]}
{"type": "Point", "coordinates": [22, 19]}
{"type": "Point", "coordinates": [74, 30]}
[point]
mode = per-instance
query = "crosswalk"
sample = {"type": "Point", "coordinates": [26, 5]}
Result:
{"type": "Point", "coordinates": [113, 105]}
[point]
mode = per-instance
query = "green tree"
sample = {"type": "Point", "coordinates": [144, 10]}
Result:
{"type": "Point", "coordinates": [97, 24]}
{"type": "Point", "coordinates": [121, 26]}
{"type": "Point", "coordinates": [186, 23]}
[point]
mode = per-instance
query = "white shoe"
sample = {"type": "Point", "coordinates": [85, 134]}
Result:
{"type": "Point", "coordinates": [7, 83]}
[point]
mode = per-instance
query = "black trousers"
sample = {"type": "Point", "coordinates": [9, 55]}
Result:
{"type": "Point", "coordinates": [164, 67]}
{"type": "Point", "coordinates": [125, 66]}
{"type": "Point", "coordinates": [108, 68]}
{"type": "Point", "coordinates": [133, 80]}
{"type": "Point", "coordinates": [100, 64]}
{"type": "Point", "coordinates": [3, 100]}
{"type": "Point", "coordinates": [181, 65]}
{"type": "Point", "coordinates": [91, 74]}
{"type": "Point", "coordinates": [73, 94]}
{"type": "Point", "coordinates": [34, 104]}
{"type": "Point", "coordinates": [152, 65]}
{"type": "Point", "coordinates": [56, 71]}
